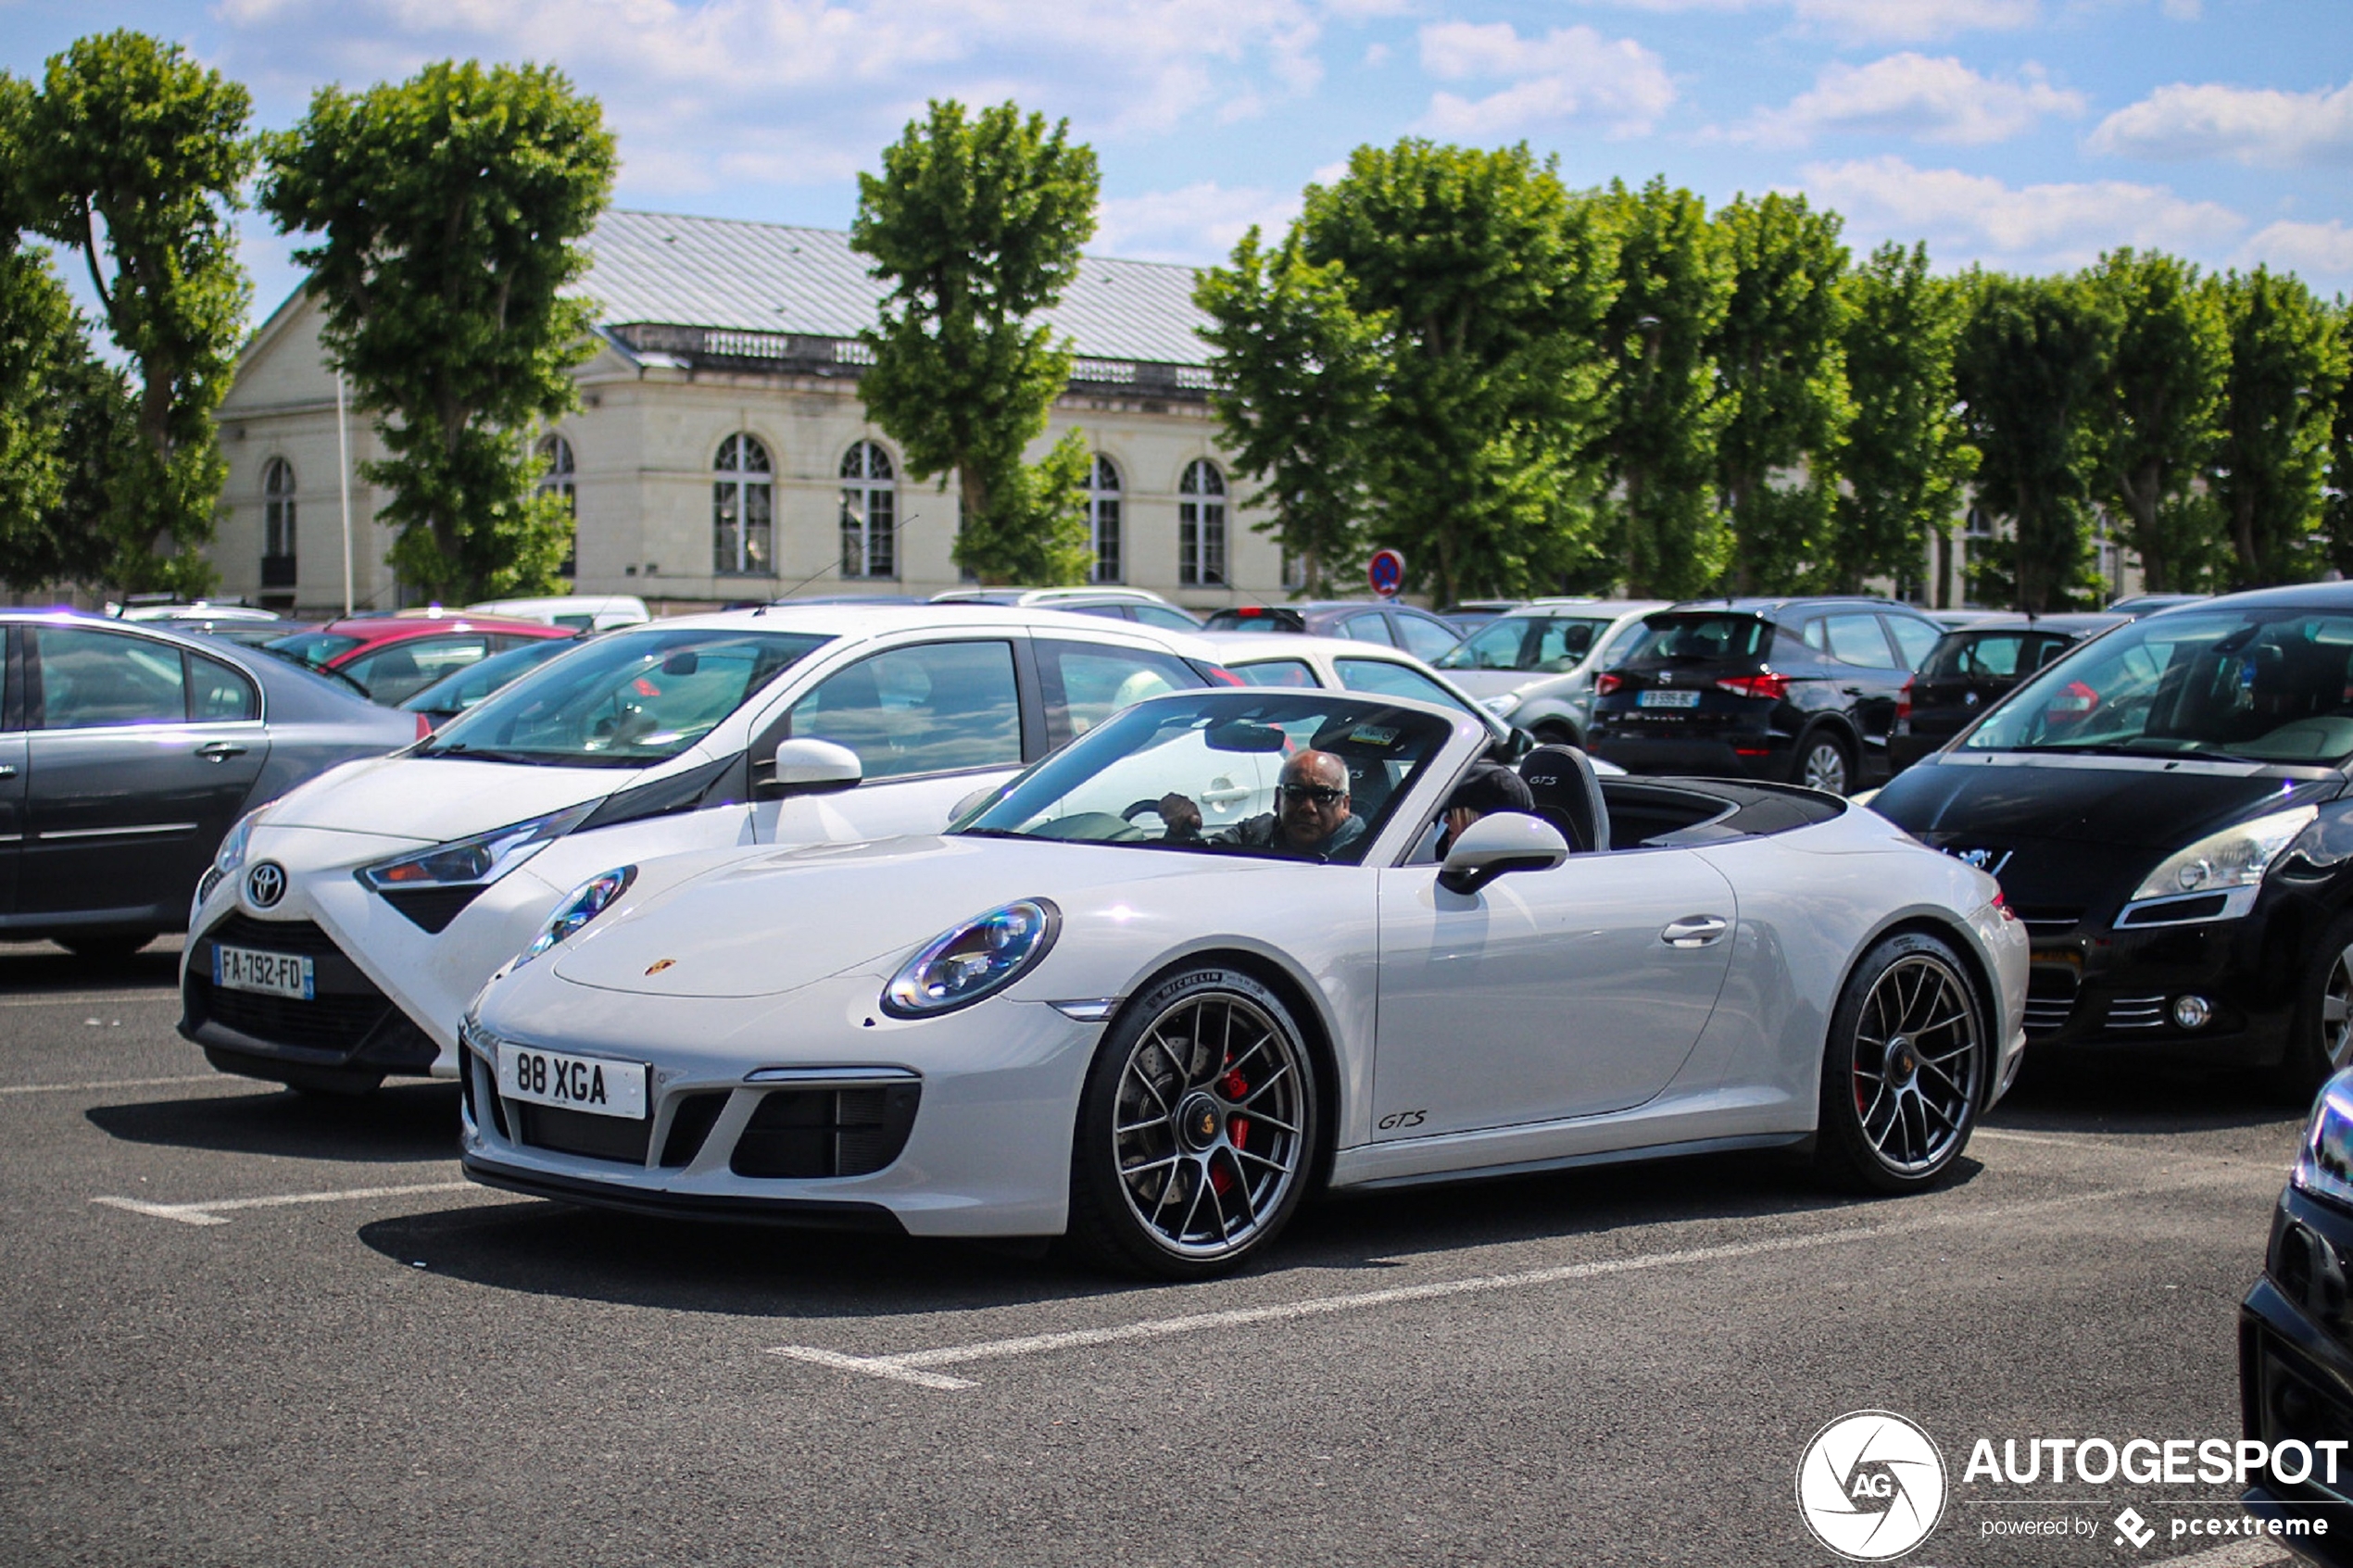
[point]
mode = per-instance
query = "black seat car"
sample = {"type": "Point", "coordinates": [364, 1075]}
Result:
{"type": "Point", "coordinates": [2170, 809]}
{"type": "Point", "coordinates": [127, 751]}
{"type": "Point", "coordinates": [1971, 668]}
{"type": "Point", "coordinates": [1799, 690]}
{"type": "Point", "coordinates": [1424, 635]}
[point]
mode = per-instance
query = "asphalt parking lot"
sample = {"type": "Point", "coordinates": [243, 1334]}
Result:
{"type": "Point", "coordinates": [246, 1326]}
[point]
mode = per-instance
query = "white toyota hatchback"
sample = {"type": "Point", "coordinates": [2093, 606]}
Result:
{"type": "Point", "coordinates": [343, 928]}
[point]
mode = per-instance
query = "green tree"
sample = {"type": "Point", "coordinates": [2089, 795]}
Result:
{"type": "Point", "coordinates": [1300, 376]}
{"type": "Point", "coordinates": [2155, 417]}
{"type": "Point", "coordinates": [1906, 456]}
{"type": "Point", "coordinates": [976, 224]}
{"type": "Point", "coordinates": [2336, 517]}
{"type": "Point", "coordinates": [2287, 366]}
{"type": "Point", "coordinates": [134, 155]}
{"type": "Point", "coordinates": [1497, 283]}
{"type": "Point", "coordinates": [1662, 533]}
{"type": "Point", "coordinates": [1780, 354]}
{"type": "Point", "coordinates": [450, 208]}
{"type": "Point", "coordinates": [2030, 366]}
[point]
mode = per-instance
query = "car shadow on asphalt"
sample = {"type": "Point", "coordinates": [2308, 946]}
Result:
{"type": "Point", "coordinates": [33, 969]}
{"type": "Point", "coordinates": [394, 1126]}
{"type": "Point", "coordinates": [1334, 1247]}
{"type": "Point", "coordinates": [2114, 1098]}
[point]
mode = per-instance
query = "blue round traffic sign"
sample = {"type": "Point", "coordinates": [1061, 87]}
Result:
{"type": "Point", "coordinates": [1387, 570]}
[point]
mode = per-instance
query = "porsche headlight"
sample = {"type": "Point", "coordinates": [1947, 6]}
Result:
{"type": "Point", "coordinates": [582, 904]}
{"type": "Point", "coordinates": [982, 956]}
{"type": "Point", "coordinates": [2237, 857]}
{"type": "Point", "coordinates": [2325, 1167]}
{"type": "Point", "coordinates": [485, 858]}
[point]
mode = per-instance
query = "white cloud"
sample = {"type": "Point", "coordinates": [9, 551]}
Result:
{"type": "Point", "coordinates": [1871, 21]}
{"type": "Point", "coordinates": [1197, 224]}
{"type": "Point", "coordinates": [2249, 125]}
{"type": "Point", "coordinates": [1572, 73]}
{"type": "Point", "coordinates": [1975, 218]}
{"type": "Point", "coordinates": [805, 91]}
{"type": "Point", "coordinates": [2321, 254]}
{"type": "Point", "coordinates": [1911, 94]}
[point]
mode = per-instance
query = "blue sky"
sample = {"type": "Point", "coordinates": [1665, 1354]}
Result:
{"type": "Point", "coordinates": [2026, 134]}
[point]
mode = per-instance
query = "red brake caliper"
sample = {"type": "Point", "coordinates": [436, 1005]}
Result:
{"type": "Point", "coordinates": [1234, 1086]}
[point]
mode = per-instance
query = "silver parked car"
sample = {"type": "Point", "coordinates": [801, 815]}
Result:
{"type": "Point", "coordinates": [128, 751]}
{"type": "Point", "coordinates": [1534, 666]}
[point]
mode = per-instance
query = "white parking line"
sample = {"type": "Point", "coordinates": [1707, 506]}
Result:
{"type": "Point", "coordinates": [111, 1083]}
{"type": "Point", "coordinates": [84, 998]}
{"type": "Point", "coordinates": [209, 1213]}
{"type": "Point", "coordinates": [913, 1366]}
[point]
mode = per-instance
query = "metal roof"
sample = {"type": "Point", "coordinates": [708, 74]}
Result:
{"type": "Point", "coordinates": [652, 267]}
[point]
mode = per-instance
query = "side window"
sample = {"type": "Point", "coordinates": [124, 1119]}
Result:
{"type": "Point", "coordinates": [1913, 639]}
{"type": "Point", "coordinates": [934, 708]}
{"type": "Point", "coordinates": [394, 674]}
{"type": "Point", "coordinates": [1818, 636]}
{"type": "Point", "coordinates": [216, 694]}
{"type": "Point", "coordinates": [1370, 628]}
{"type": "Point", "coordinates": [2052, 648]}
{"type": "Point", "coordinates": [1426, 640]}
{"type": "Point", "coordinates": [1277, 672]}
{"type": "Point", "coordinates": [1087, 682]}
{"type": "Point", "coordinates": [1384, 679]}
{"type": "Point", "coordinates": [1168, 620]}
{"type": "Point", "coordinates": [90, 680]}
{"type": "Point", "coordinates": [1856, 639]}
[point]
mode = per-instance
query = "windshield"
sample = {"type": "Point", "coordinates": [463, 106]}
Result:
{"type": "Point", "coordinates": [1692, 639]}
{"type": "Point", "coordinates": [456, 693]}
{"type": "Point", "coordinates": [631, 699]}
{"type": "Point", "coordinates": [1550, 645]}
{"type": "Point", "coordinates": [2269, 686]}
{"type": "Point", "coordinates": [312, 647]}
{"type": "Point", "coordinates": [1307, 775]}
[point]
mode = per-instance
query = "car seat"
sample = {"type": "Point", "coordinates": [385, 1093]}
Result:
{"type": "Point", "coordinates": [1568, 795]}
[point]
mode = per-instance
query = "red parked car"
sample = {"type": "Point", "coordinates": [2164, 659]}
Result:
{"type": "Point", "coordinates": [392, 657]}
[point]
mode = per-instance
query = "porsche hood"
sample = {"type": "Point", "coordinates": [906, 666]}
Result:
{"type": "Point", "coordinates": [773, 921]}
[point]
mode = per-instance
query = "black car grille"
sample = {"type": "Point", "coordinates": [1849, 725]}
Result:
{"type": "Point", "coordinates": [690, 1124]}
{"type": "Point", "coordinates": [2136, 1012]}
{"type": "Point", "coordinates": [2045, 921]}
{"type": "Point", "coordinates": [2297, 1404]}
{"type": "Point", "coordinates": [576, 1132]}
{"type": "Point", "coordinates": [346, 1013]}
{"type": "Point", "coordinates": [2050, 998]}
{"type": "Point", "coordinates": [817, 1132]}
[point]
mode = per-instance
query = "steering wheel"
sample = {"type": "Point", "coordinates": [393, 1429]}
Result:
{"type": "Point", "coordinates": [1142, 807]}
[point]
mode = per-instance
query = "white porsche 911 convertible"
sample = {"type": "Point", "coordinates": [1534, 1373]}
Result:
{"type": "Point", "coordinates": [1226, 948]}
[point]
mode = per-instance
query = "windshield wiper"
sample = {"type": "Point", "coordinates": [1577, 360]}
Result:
{"type": "Point", "coordinates": [466, 752]}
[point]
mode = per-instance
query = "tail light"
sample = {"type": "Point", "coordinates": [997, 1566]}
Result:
{"type": "Point", "coordinates": [424, 726]}
{"type": "Point", "coordinates": [1605, 685]}
{"type": "Point", "coordinates": [1765, 684]}
{"type": "Point", "coordinates": [1218, 675]}
{"type": "Point", "coordinates": [1904, 704]}
{"type": "Point", "coordinates": [2075, 700]}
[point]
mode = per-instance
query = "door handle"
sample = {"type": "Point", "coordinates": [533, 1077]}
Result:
{"type": "Point", "coordinates": [7, 770]}
{"type": "Point", "coordinates": [220, 750]}
{"type": "Point", "coordinates": [1694, 930]}
{"type": "Point", "coordinates": [1851, 691]}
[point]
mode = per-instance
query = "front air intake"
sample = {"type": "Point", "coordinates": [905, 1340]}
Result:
{"type": "Point", "coordinates": [821, 1133]}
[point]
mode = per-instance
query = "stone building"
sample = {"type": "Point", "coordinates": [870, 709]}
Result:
{"type": "Point", "coordinates": [722, 453]}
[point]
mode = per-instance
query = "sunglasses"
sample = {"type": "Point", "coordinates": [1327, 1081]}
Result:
{"type": "Point", "coordinates": [1322, 795]}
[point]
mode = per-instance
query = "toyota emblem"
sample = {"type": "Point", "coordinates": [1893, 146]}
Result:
{"type": "Point", "coordinates": [265, 885]}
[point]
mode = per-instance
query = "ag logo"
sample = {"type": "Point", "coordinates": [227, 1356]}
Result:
{"type": "Point", "coordinates": [265, 885]}
{"type": "Point", "coordinates": [1871, 1486]}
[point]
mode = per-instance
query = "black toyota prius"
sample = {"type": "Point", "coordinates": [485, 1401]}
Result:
{"type": "Point", "coordinates": [2166, 808]}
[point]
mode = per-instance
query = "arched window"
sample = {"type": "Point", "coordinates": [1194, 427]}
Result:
{"type": "Point", "coordinates": [555, 479]}
{"type": "Point", "coordinates": [1201, 526]}
{"type": "Point", "coordinates": [869, 513]}
{"type": "Point", "coordinates": [743, 508]}
{"type": "Point", "coordinates": [278, 524]}
{"type": "Point", "coordinates": [1102, 520]}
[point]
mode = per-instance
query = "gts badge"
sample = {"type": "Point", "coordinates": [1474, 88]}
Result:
{"type": "Point", "coordinates": [1397, 1121]}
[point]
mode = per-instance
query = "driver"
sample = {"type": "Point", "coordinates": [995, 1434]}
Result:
{"type": "Point", "coordinates": [1311, 815]}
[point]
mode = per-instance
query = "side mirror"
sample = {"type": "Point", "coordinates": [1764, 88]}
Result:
{"type": "Point", "coordinates": [810, 767]}
{"type": "Point", "coordinates": [973, 802]}
{"type": "Point", "coordinates": [1508, 841]}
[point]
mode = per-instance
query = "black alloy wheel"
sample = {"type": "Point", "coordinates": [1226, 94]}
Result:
{"type": "Point", "coordinates": [1196, 1131]}
{"type": "Point", "coordinates": [1905, 1068]}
